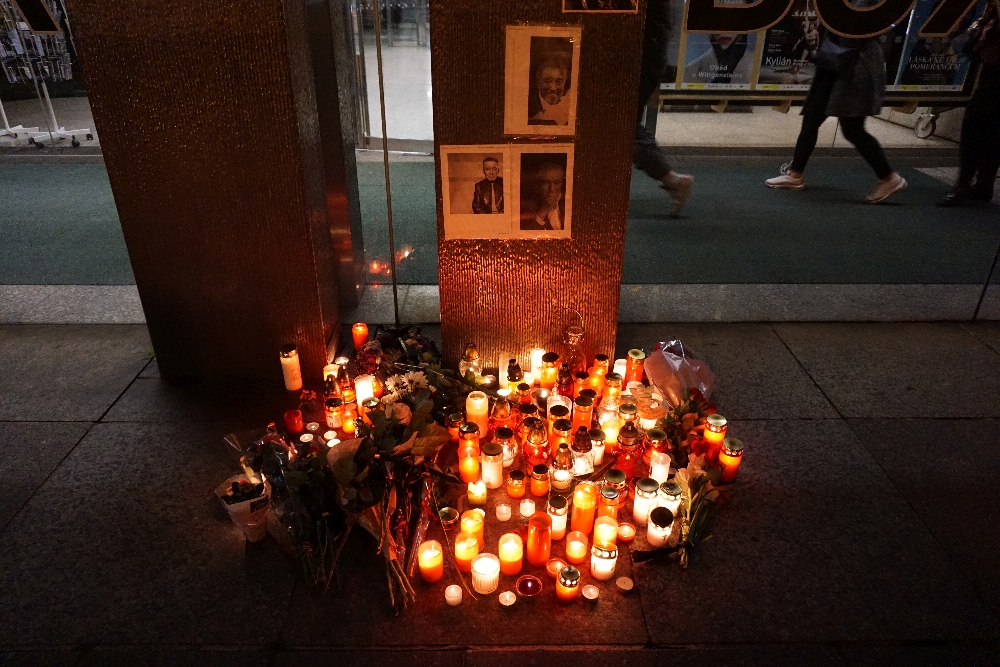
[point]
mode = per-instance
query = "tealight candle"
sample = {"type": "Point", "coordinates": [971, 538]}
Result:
{"type": "Point", "coordinates": [554, 567]}
{"type": "Point", "coordinates": [466, 548]}
{"type": "Point", "coordinates": [535, 356]}
{"type": "Point", "coordinates": [605, 532]}
{"type": "Point", "coordinates": [527, 507]}
{"type": "Point", "coordinates": [503, 512]}
{"type": "Point", "coordinates": [360, 334]}
{"type": "Point", "coordinates": [350, 426]}
{"type": "Point", "coordinates": [477, 410]}
{"type": "Point", "coordinates": [730, 458]}
{"type": "Point", "coordinates": [602, 563]}
{"type": "Point", "coordinates": [291, 372]}
{"type": "Point", "coordinates": [511, 550]}
{"type": "Point", "coordinates": [477, 492]}
{"type": "Point", "coordinates": [661, 520]}
{"type": "Point", "coordinates": [584, 507]}
{"type": "Point", "coordinates": [568, 584]}
{"type": "Point", "coordinates": [472, 522]}
{"type": "Point", "coordinates": [430, 558]}
{"type": "Point", "coordinates": [716, 427]}
{"type": "Point", "coordinates": [485, 573]}
{"type": "Point", "coordinates": [492, 465]}
{"type": "Point", "coordinates": [626, 532]}
{"type": "Point", "coordinates": [591, 592]}
{"type": "Point", "coordinates": [576, 547]}
{"type": "Point", "coordinates": [453, 595]}
{"type": "Point", "coordinates": [507, 598]}
{"type": "Point", "coordinates": [364, 387]}
{"type": "Point", "coordinates": [659, 466]}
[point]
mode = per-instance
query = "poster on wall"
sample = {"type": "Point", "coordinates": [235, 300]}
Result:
{"type": "Point", "coordinates": [598, 6]}
{"type": "Point", "coordinates": [934, 63]}
{"type": "Point", "coordinates": [788, 49]}
{"type": "Point", "coordinates": [719, 61]}
{"type": "Point", "coordinates": [541, 80]}
{"type": "Point", "coordinates": [893, 44]}
{"type": "Point", "coordinates": [507, 192]}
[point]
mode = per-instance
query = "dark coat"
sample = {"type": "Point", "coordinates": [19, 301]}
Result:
{"type": "Point", "coordinates": [482, 200]}
{"type": "Point", "coordinates": [860, 87]}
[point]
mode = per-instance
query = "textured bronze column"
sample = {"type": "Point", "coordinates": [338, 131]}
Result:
{"type": "Point", "coordinates": [212, 140]}
{"type": "Point", "coordinates": [511, 295]}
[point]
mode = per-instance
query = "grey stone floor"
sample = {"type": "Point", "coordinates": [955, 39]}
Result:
{"type": "Point", "coordinates": [863, 529]}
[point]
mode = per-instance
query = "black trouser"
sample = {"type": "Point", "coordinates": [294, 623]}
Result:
{"type": "Point", "coordinates": [647, 156]}
{"type": "Point", "coordinates": [979, 148]}
{"type": "Point", "coordinates": [813, 115]}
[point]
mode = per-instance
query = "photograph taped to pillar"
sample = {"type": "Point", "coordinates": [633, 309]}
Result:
{"type": "Point", "coordinates": [543, 190]}
{"type": "Point", "coordinates": [541, 74]}
{"type": "Point", "coordinates": [475, 189]}
{"type": "Point", "coordinates": [601, 6]}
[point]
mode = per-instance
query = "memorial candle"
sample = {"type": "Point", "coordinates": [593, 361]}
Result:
{"type": "Point", "coordinates": [477, 493]}
{"type": "Point", "coordinates": [715, 432]}
{"type": "Point", "coordinates": [360, 334]}
{"type": "Point", "coordinates": [611, 427]}
{"type": "Point", "coordinates": [584, 507]}
{"type": "Point", "coordinates": [468, 464]}
{"type": "Point", "coordinates": [669, 496]}
{"type": "Point", "coordinates": [661, 520]}
{"type": "Point", "coordinates": [730, 458]}
{"type": "Point", "coordinates": [364, 387]}
{"type": "Point", "coordinates": [492, 465]}
{"type": "Point", "coordinates": [576, 547]}
{"type": "Point", "coordinates": [466, 548]}
{"type": "Point", "coordinates": [477, 410]}
{"type": "Point", "coordinates": [511, 550]}
{"type": "Point", "coordinates": [535, 356]}
{"type": "Point", "coordinates": [539, 538]}
{"type": "Point", "coordinates": [485, 573]}
{"type": "Point", "coordinates": [558, 508]}
{"type": "Point", "coordinates": [597, 440]}
{"type": "Point", "coordinates": [659, 466]}
{"type": "Point", "coordinates": [503, 512]}
{"type": "Point", "coordinates": [453, 595]}
{"type": "Point", "coordinates": [515, 484]}
{"type": "Point", "coordinates": [527, 507]}
{"type": "Point", "coordinates": [603, 562]}
{"type": "Point", "coordinates": [540, 480]}
{"type": "Point", "coordinates": [472, 523]}
{"type": "Point", "coordinates": [430, 558]}
{"type": "Point", "coordinates": [290, 370]}
{"type": "Point", "coordinates": [605, 532]}
{"type": "Point", "coordinates": [645, 499]}
{"type": "Point", "coordinates": [568, 584]}
{"type": "Point", "coordinates": [549, 371]}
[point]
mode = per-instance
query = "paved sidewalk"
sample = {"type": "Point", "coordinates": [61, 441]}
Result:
{"type": "Point", "coordinates": [862, 531]}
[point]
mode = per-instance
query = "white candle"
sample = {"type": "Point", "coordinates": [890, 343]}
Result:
{"type": "Point", "coordinates": [670, 496]}
{"type": "Point", "coordinates": [527, 507]}
{"type": "Point", "coordinates": [331, 369]}
{"type": "Point", "coordinates": [453, 595]}
{"type": "Point", "coordinates": [485, 573]}
{"type": "Point", "coordinates": [658, 529]}
{"type": "Point", "coordinates": [503, 512]}
{"type": "Point", "coordinates": [536, 360]}
{"type": "Point", "coordinates": [647, 424]}
{"type": "Point", "coordinates": [620, 366]}
{"type": "Point", "coordinates": [491, 459]}
{"type": "Point", "coordinates": [529, 379]}
{"type": "Point", "coordinates": [645, 499]}
{"type": "Point", "coordinates": [558, 525]}
{"type": "Point", "coordinates": [602, 563]}
{"type": "Point", "coordinates": [598, 450]}
{"type": "Point", "coordinates": [477, 411]}
{"type": "Point", "coordinates": [477, 493]}
{"type": "Point", "coordinates": [290, 370]}
{"type": "Point", "coordinates": [659, 466]}
{"type": "Point", "coordinates": [364, 387]}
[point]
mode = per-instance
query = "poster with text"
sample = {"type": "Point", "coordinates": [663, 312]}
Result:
{"type": "Point", "coordinates": [934, 64]}
{"type": "Point", "coordinates": [788, 50]}
{"type": "Point", "coordinates": [719, 61]}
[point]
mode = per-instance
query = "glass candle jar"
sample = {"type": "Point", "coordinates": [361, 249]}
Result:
{"type": "Point", "coordinates": [359, 332]}
{"type": "Point", "coordinates": [603, 562]}
{"type": "Point", "coordinates": [364, 387]}
{"type": "Point", "coordinates": [477, 492]}
{"type": "Point", "coordinates": [562, 434]}
{"type": "Point", "coordinates": [516, 483]}
{"type": "Point", "coordinates": [584, 507]}
{"type": "Point", "coordinates": [491, 461]}
{"type": "Point", "coordinates": [595, 380]}
{"type": "Point", "coordinates": [527, 507]}
{"type": "Point", "coordinates": [334, 409]}
{"type": "Point", "coordinates": [568, 584]}
{"type": "Point", "coordinates": [561, 470]}
{"type": "Point", "coordinates": [536, 442]}
{"type": "Point", "coordinates": [576, 547]}
{"type": "Point", "coordinates": [564, 381]}
{"type": "Point", "coordinates": [453, 422]}
{"type": "Point", "coordinates": [645, 499]}
{"type": "Point", "coordinates": [558, 511]}
{"type": "Point", "coordinates": [597, 445]}
{"type": "Point", "coordinates": [607, 505]}
{"type": "Point", "coordinates": [669, 496]}
{"type": "Point", "coordinates": [579, 382]}
{"type": "Point", "coordinates": [291, 372]}
{"type": "Point", "coordinates": [468, 434]}
{"type": "Point", "coordinates": [605, 532]}
{"type": "Point", "coordinates": [611, 428]}
{"type": "Point", "coordinates": [539, 539]}
{"type": "Point", "coordinates": [634, 365]}
{"type": "Point", "coordinates": [515, 375]}
{"type": "Point", "coordinates": [628, 412]}
{"type": "Point", "coordinates": [430, 559]}
{"type": "Point", "coordinates": [368, 405]}
{"type": "Point", "coordinates": [294, 423]}
{"type": "Point", "coordinates": [628, 453]}
{"type": "Point", "coordinates": [503, 512]}
{"type": "Point", "coordinates": [583, 412]}
{"type": "Point", "coordinates": [540, 480]}
{"type": "Point", "coordinates": [523, 394]}
{"type": "Point", "coordinates": [511, 552]}
{"type": "Point", "coordinates": [477, 408]}
{"type": "Point", "coordinates": [661, 520]}
{"type": "Point", "coordinates": [485, 573]}
{"type": "Point", "coordinates": [556, 412]}
{"type": "Point", "coordinates": [473, 522]}
{"type": "Point", "coordinates": [466, 548]}
{"type": "Point", "coordinates": [715, 432]}
{"type": "Point", "coordinates": [549, 370]}
{"type": "Point", "coordinates": [612, 390]}
{"type": "Point", "coordinates": [502, 413]}
{"type": "Point", "coordinates": [583, 453]}
{"type": "Point", "coordinates": [730, 458]}
{"type": "Point", "coordinates": [617, 479]}
{"type": "Point", "coordinates": [453, 595]}
{"type": "Point", "coordinates": [503, 437]}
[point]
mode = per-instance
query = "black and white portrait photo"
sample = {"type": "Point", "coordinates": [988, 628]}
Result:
{"type": "Point", "coordinates": [619, 6]}
{"type": "Point", "coordinates": [545, 191]}
{"type": "Point", "coordinates": [542, 66]}
{"type": "Point", "coordinates": [475, 191]}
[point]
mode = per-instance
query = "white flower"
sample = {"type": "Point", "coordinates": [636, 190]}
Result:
{"type": "Point", "coordinates": [416, 380]}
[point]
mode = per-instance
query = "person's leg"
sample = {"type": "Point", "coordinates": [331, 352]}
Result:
{"type": "Point", "coordinates": [983, 117]}
{"type": "Point", "coordinates": [813, 115]}
{"type": "Point", "coordinates": [867, 145]}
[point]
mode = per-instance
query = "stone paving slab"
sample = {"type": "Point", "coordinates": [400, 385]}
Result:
{"type": "Point", "coordinates": [126, 544]}
{"type": "Point", "coordinates": [67, 373]}
{"type": "Point", "coordinates": [988, 332]}
{"type": "Point", "coordinates": [775, 655]}
{"type": "Point", "coordinates": [755, 374]}
{"type": "Point", "coordinates": [899, 371]}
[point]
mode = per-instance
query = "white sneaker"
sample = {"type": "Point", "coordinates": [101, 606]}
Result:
{"type": "Point", "coordinates": [680, 193]}
{"type": "Point", "coordinates": [785, 182]}
{"type": "Point", "coordinates": [885, 189]}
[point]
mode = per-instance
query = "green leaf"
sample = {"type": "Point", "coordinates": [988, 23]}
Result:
{"type": "Point", "coordinates": [296, 478]}
{"type": "Point", "coordinates": [428, 446]}
{"type": "Point", "coordinates": [344, 470]}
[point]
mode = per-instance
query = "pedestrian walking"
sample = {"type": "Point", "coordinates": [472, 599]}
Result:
{"type": "Point", "coordinates": [646, 154]}
{"type": "Point", "coordinates": [849, 84]}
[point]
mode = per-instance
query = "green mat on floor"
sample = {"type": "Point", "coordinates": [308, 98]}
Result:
{"type": "Point", "coordinates": [59, 225]}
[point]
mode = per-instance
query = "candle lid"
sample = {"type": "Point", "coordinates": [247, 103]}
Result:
{"type": "Point", "coordinates": [503, 433]}
{"type": "Point", "coordinates": [468, 428]}
{"type": "Point", "coordinates": [528, 409]}
{"type": "Point", "coordinates": [647, 485]}
{"type": "Point", "coordinates": [334, 402]}
{"type": "Point", "coordinates": [610, 492]}
{"type": "Point", "coordinates": [581, 375]}
{"type": "Point", "coordinates": [661, 517]}
{"type": "Point", "coordinates": [656, 435]}
{"type": "Point", "coordinates": [540, 469]}
{"type": "Point", "coordinates": [636, 354]}
{"type": "Point", "coordinates": [615, 476]}
{"type": "Point", "coordinates": [287, 350]}
{"type": "Point", "coordinates": [599, 552]}
{"type": "Point", "coordinates": [670, 489]}
{"type": "Point", "coordinates": [561, 424]}
{"type": "Point", "coordinates": [588, 393]}
{"type": "Point", "coordinates": [491, 449]}
{"type": "Point", "coordinates": [732, 447]}
{"type": "Point", "coordinates": [584, 402]}
{"type": "Point", "coordinates": [624, 583]}
{"type": "Point", "coordinates": [559, 411]}
{"type": "Point", "coordinates": [550, 358]}
{"type": "Point", "coordinates": [449, 516]}
{"type": "Point", "coordinates": [569, 576]}
{"type": "Point", "coordinates": [524, 386]}
{"type": "Point", "coordinates": [596, 434]}
{"type": "Point", "coordinates": [470, 353]}
{"type": "Point", "coordinates": [628, 409]}
{"type": "Point", "coordinates": [516, 475]}
{"type": "Point", "coordinates": [558, 503]}
{"type": "Point", "coordinates": [613, 377]}
{"type": "Point", "coordinates": [716, 420]}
